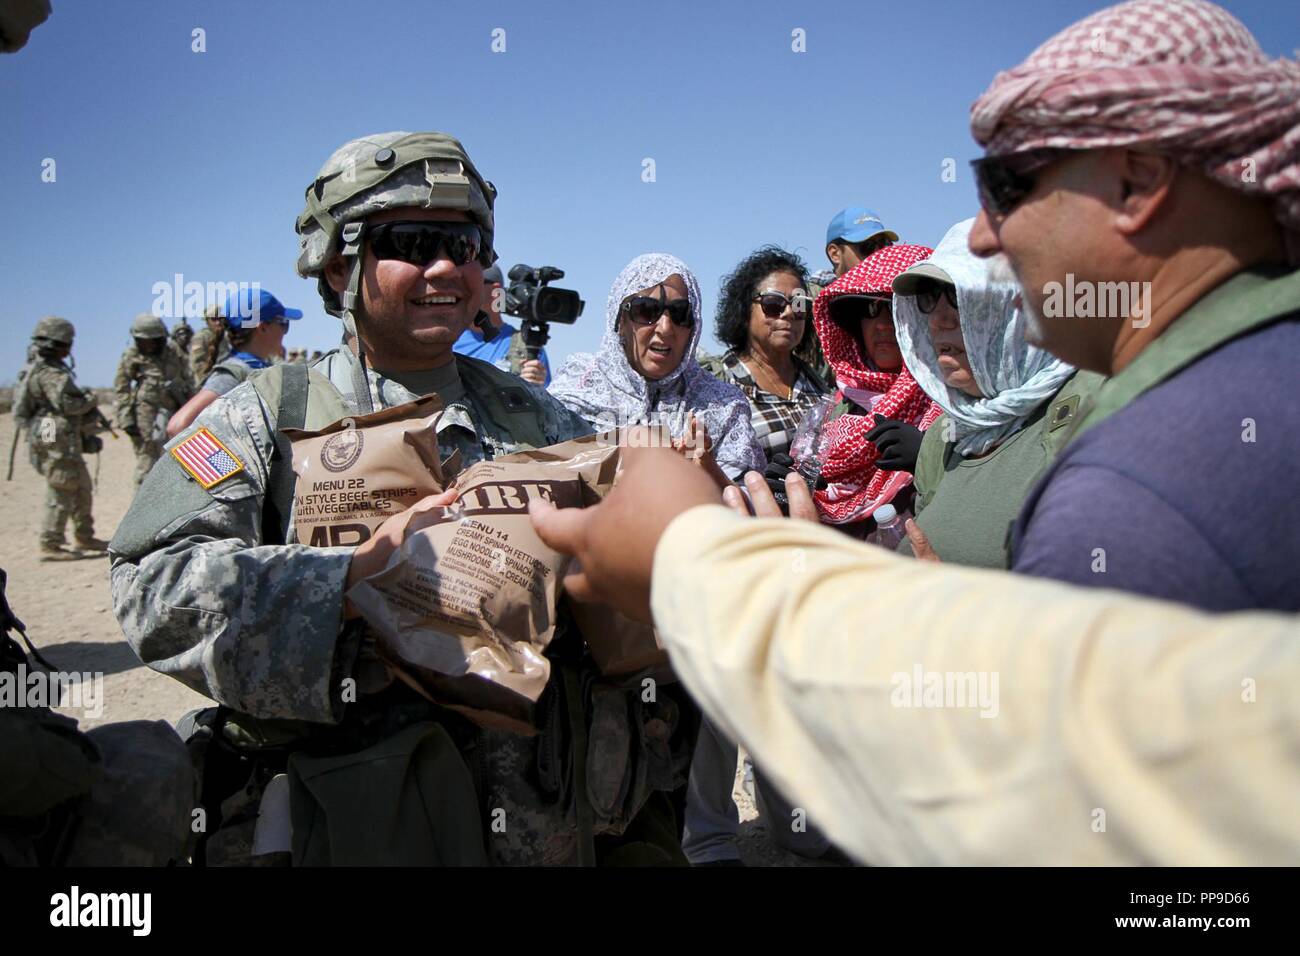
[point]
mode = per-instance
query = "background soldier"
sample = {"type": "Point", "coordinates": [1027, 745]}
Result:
{"type": "Point", "coordinates": [182, 336]}
{"type": "Point", "coordinates": [208, 591]}
{"type": "Point", "coordinates": [153, 381]}
{"type": "Point", "coordinates": [61, 421]}
{"type": "Point", "coordinates": [209, 345]}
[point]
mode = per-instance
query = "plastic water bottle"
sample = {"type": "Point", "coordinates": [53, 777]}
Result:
{"type": "Point", "coordinates": [808, 447]}
{"type": "Point", "coordinates": [889, 528]}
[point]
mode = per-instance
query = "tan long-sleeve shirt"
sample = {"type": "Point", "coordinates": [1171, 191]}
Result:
{"type": "Point", "coordinates": [930, 714]}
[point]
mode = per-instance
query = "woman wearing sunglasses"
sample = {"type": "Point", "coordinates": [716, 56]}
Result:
{"type": "Point", "coordinates": [1005, 402]}
{"type": "Point", "coordinates": [764, 315]}
{"type": "Point", "coordinates": [854, 320]}
{"type": "Point", "coordinates": [646, 373]}
{"type": "Point", "coordinates": [255, 324]}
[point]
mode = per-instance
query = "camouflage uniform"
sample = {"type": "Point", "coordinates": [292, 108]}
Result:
{"type": "Point", "coordinates": [200, 345]}
{"type": "Point", "coordinates": [149, 389]}
{"type": "Point", "coordinates": [54, 410]}
{"type": "Point", "coordinates": [201, 600]}
{"type": "Point", "coordinates": [258, 627]}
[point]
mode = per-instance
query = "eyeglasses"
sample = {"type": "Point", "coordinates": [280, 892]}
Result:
{"type": "Point", "coordinates": [419, 242]}
{"type": "Point", "coordinates": [928, 292]}
{"type": "Point", "coordinates": [850, 310]}
{"type": "Point", "coordinates": [774, 303]}
{"type": "Point", "coordinates": [645, 310]}
{"type": "Point", "coordinates": [1004, 181]}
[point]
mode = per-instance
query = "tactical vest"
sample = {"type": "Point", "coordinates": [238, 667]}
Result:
{"type": "Point", "coordinates": [1062, 414]}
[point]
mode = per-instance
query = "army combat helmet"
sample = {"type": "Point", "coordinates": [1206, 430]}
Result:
{"type": "Point", "coordinates": [146, 325]}
{"type": "Point", "coordinates": [53, 330]}
{"type": "Point", "coordinates": [384, 171]}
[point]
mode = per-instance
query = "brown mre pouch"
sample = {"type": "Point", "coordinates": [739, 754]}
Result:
{"type": "Point", "coordinates": [361, 470]}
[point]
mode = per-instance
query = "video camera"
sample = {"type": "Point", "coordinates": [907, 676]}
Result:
{"type": "Point", "coordinates": [529, 299]}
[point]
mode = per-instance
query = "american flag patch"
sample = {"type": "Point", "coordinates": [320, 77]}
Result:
{"type": "Point", "coordinates": [204, 457]}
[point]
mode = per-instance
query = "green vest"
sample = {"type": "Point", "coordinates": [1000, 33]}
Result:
{"type": "Point", "coordinates": [979, 499]}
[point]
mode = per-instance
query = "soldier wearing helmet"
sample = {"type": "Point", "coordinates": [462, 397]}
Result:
{"type": "Point", "coordinates": [152, 382]}
{"type": "Point", "coordinates": [58, 417]}
{"type": "Point", "coordinates": [397, 230]}
{"type": "Point", "coordinates": [209, 345]}
{"type": "Point", "coordinates": [182, 335]}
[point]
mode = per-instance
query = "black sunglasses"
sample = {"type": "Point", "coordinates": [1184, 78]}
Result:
{"type": "Point", "coordinates": [774, 303]}
{"type": "Point", "coordinates": [928, 292]}
{"type": "Point", "coordinates": [1004, 181]}
{"type": "Point", "coordinates": [646, 309]}
{"type": "Point", "coordinates": [419, 242]}
{"type": "Point", "coordinates": [850, 310]}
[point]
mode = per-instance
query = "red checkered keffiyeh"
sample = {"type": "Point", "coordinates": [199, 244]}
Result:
{"type": "Point", "coordinates": [1180, 77]}
{"type": "Point", "coordinates": [855, 488]}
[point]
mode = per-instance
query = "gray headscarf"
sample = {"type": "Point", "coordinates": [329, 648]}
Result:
{"type": "Point", "coordinates": [607, 391]}
{"type": "Point", "coordinates": [1015, 377]}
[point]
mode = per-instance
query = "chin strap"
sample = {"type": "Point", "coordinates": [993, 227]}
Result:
{"type": "Point", "coordinates": [352, 248]}
{"type": "Point", "coordinates": [484, 323]}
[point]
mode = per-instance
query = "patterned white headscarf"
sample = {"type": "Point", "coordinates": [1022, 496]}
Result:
{"type": "Point", "coordinates": [607, 391]}
{"type": "Point", "coordinates": [1015, 377]}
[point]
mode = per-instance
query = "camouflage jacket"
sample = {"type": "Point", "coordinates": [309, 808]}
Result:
{"type": "Point", "coordinates": [259, 627]}
{"type": "Point", "coordinates": [148, 384]}
{"type": "Point", "coordinates": [200, 363]}
{"type": "Point", "coordinates": [53, 406]}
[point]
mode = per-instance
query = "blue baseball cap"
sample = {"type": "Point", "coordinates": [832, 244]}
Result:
{"type": "Point", "coordinates": [250, 307]}
{"type": "Point", "coordinates": [856, 224]}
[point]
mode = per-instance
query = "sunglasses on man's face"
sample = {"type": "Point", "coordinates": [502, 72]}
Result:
{"type": "Point", "coordinates": [1004, 181]}
{"type": "Point", "coordinates": [850, 310]}
{"type": "Point", "coordinates": [928, 293]}
{"type": "Point", "coordinates": [419, 242]}
{"type": "Point", "coordinates": [774, 303]}
{"type": "Point", "coordinates": [645, 310]}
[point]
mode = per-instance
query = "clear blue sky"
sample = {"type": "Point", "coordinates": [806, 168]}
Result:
{"type": "Point", "coordinates": [171, 161]}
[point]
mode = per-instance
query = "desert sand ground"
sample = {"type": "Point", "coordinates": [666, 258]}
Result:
{"type": "Point", "coordinates": [67, 609]}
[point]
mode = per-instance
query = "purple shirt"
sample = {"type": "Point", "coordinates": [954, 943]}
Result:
{"type": "Point", "coordinates": [1183, 504]}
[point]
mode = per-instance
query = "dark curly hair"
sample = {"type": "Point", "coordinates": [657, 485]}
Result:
{"type": "Point", "coordinates": [731, 324]}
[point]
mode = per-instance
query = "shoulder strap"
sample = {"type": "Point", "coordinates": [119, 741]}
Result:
{"type": "Point", "coordinates": [278, 506]}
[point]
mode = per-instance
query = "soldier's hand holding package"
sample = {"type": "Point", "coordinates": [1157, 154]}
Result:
{"type": "Point", "coordinates": [373, 555]}
{"type": "Point", "coordinates": [898, 442]}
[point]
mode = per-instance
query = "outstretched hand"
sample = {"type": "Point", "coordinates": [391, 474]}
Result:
{"type": "Point", "coordinates": [614, 542]}
{"type": "Point", "coordinates": [762, 502]}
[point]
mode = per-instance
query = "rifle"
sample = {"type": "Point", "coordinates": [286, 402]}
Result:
{"type": "Point", "coordinates": [13, 447]}
{"type": "Point", "coordinates": [102, 423]}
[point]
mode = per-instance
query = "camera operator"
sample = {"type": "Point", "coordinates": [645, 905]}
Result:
{"type": "Point", "coordinates": [505, 348]}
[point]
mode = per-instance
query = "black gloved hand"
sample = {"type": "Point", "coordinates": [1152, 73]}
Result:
{"type": "Point", "coordinates": [131, 431]}
{"type": "Point", "coordinates": [899, 444]}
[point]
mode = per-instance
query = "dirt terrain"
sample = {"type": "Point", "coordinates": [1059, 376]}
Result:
{"type": "Point", "coordinates": [67, 608]}
{"type": "Point", "coordinates": [66, 605]}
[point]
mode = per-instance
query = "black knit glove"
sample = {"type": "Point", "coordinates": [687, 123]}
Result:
{"type": "Point", "coordinates": [899, 444]}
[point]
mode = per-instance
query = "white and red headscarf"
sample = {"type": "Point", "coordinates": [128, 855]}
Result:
{"type": "Point", "coordinates": [855, 487]}
{"type": "Point", "coordinates": [1180, 77]}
